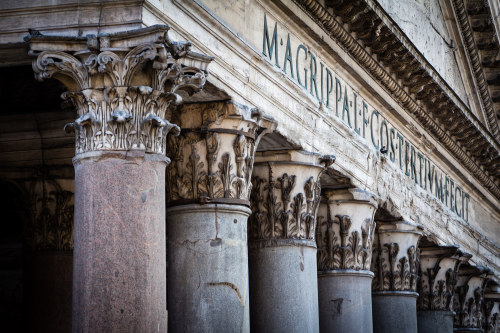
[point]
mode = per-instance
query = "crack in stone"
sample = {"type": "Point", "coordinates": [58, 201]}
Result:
{"type": "Point", "coordinates": [230, 285]}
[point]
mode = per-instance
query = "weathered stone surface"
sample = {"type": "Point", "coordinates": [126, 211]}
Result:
{"type": "Point", "coordinates": [394, 312]}
{"type": "Point", "coordinates": [213, 157]}
{"type": "Point", "coordinates": [439, 321]}
{"type": "Point", "coordinates": [345, 301]}
{"type": "Point", "coordinates": [468, 300]}
{"type": "Point", "coordinates": [282, 229]}
{"type": "Point", "coordinates": [208, 268]}
{"type": "Point", "coordinates": [395, 264]}
{"type": "Point", "coordinates": [283, 288]}
{"type": "Point", "coordinates": [345, 235]}
{"type": "Point", "coordinates": [438, 269]}
{"type": "Point", "coordinates": [119, 250]}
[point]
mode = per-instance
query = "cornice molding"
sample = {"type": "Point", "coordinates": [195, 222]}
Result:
{"type": "Point", "coordinates": [374, 41]}
{"type": "Point", "coordinates": [475, 62]}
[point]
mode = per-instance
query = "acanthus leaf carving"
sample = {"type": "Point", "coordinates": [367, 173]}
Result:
{"type": "Point", "coordinates": [225, 155]}
{"type": "Point", "coordinates": [284, 208]}
{"type": "Point", "coordinates": [123, 95]}
{"type": "Point", "coordinates": [345, 241]}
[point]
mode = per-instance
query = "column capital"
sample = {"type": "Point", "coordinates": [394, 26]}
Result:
{"type": "Point", "coordinates": [469, 296]}
{"type": "Point", "coordinates": [396, 257]}
{"type": "Point", "coordinates": [345, 230]}
{"type": "Point", "coordinates": [212, 159]}
{"type": "Point", "coordinates": [438, 276]}
{"type": "Point", "coordinates": [122, 84]}
{"type": "Point", "coordinates": [286, 195]}
{"type": "Point", "coordinates": [492, 309]}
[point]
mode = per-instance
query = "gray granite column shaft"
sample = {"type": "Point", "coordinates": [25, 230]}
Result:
{"type": "Point", "coordinates": [208, 268]}
{"type": "Point", "coordinates": [395, 265]}
{"type": "Point", "coordinates": [283, 269]}
{"type": "Point", "coordinates": [208, 185]}
{"type": "Point", "coordinates": [119, 282]}
{"type": "Point", "coordinates": [344, 238]}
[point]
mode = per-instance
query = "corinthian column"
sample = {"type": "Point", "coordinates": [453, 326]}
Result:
{"type": "Point", "coordinates": [208, 205]}
{"type": "Point", "coordinates": [395, 265]}
{"type": "Point", "coordinates": [345, 235]}
{"type": "Point", "coordinates": [283, 283]}
{"type": "Point", "coordinates": [438, 276]}
{"type": "Point", "coordinates": [123, 86]}
{"type": "Point", "coordinates": [469, 298]}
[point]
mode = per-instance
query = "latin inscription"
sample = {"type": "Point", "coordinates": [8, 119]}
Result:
{"type": "Point", "coordinates": [302, 65]}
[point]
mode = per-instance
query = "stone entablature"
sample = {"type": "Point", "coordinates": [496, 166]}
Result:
{"type": "Point", "coordinates": [439, 266]}
{"type": "Point", "coordinates": [345, 230]}
{"type": "Point", "coordinates": [213, 157]}
{"type": "Point", "coordinates": [124, 85]}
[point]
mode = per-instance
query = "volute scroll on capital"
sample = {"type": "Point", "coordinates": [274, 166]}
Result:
{"type": "Point", "coordinates": [124, 85]}
{"type": "Point", "coordinates": [284, 205]}
{"type": "Point", "coordinates": [345, 230]}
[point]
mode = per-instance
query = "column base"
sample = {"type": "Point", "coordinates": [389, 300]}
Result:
{"type": "Point", "coordinates": [394, 312]}
{"type": "Point", "coordinates": [283, 284]}
{"type": "Point", "coordinates": [345, 301]}
{"type": "Point", "coordinates": [435, 321]}
{"type": "Point", "coordinates": [208, 268]}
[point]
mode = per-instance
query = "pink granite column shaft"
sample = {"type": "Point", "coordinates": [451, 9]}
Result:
{"type": "Point", "coordinates": [119, 278]}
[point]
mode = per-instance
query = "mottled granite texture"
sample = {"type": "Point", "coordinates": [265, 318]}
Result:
{"type": "Point", "coordinates": [119, 278]}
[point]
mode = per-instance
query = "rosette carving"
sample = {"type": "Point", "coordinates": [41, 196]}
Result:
{"type": "Point", "coordinates": [124, 85]}
{"type": "Point", "coordinates": [345, 241]}
{"type": "Point", "coordinates": [469, 296]}
{"type": "Point", "coordinates": [284, 205]}
{"type": "Point", "coordinates": [212, 159]}
{"type": "Point", "coordinates": [396, 256]}
{"type": "Point", "coordinates": [439, 267]}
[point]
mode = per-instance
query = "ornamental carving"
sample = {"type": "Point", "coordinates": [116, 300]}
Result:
{"type": "Point", "coordinates": [438, 276]}
{"type": "Point", "coordinates": [347, 249]}
{"type": "Point", "coordinates": [123, 85]}
{"type": "Point", "coordinates": [50, 223]}
{"type": "Point", "coordinates": [345, 241]}
{"type": "Point", "coordinates": [469, 297]}
{"type": "Point", "coordinates": [212, 159]}
{"type": "Point", "coordinates": [396, 257]}
{"type": "Point", "coordinates": [284, 205]}
{"type": "Point", "coordinates": [491, 308]}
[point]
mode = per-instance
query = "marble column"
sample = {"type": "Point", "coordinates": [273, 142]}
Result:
{"type": "Point", "coordinates": [438, 275]}
{"type": "Point", "coordinates": [395, 265]}
{"type": "Point", "coordinates": [282, 228]}
{"type": "Point", "coordinates": [123, 86]}
{"type": "Point", "coordinates": [491, 308]}
{"type": "Point", "coordinates": [345, 236]}
{"type": "Point", "coordinates": [469, 298]}
{"type": "Point", "coordinates": [209, 182]}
